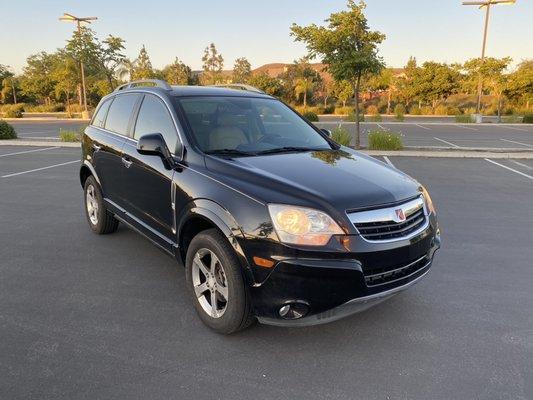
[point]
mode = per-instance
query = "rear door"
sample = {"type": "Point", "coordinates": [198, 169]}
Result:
{"type": "Point", "coordinates": [108, 143]}
{"type": "Point", "coordinates": [147, 183]}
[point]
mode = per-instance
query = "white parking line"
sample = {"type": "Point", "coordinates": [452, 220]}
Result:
{"type": "Point", "coordinates": [467, 127]}
{"type": "Point", "coordinates": [522, 164]}
{"type": "Point", "coordinates": [423, 127]}
{"type": "Point", "coordinates": [35, 133]}
{"type": "Point", "coordinates": [510, 169]}
{"type": "Point", "coordinates": [444, 141]}
{"type": "Point", "coordinates": [39, 169]}
{"type": "Point", "coordinates": [28, 151]}
{"type": "Point", "coordinates": [388, 161]}
{"type": "Point", "coordinates": [517, 129]}
{"type": "Point", "coordinates": [514, 141]}
{"type": "Point", "coordinates": [380, 126]}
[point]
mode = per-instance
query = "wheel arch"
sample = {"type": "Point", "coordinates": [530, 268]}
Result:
{"type": "Point", "coordinates": [203, 214]}
{"type": "Point", "coordinates": [87, 170]}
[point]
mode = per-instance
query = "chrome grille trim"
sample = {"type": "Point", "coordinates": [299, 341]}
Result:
{"type": "Point", "coordinates": [385, 221]}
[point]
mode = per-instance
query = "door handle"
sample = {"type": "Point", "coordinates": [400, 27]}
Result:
{"type": "Point", "coordinates": [96, 147]}
{"type": "Point", "coordinates": [127, 163]}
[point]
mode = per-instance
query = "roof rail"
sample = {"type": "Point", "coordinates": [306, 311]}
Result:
{"type": "Point", "coordinates": [241, 86]}
{"type": "Point", "coordinates": [140, 82]}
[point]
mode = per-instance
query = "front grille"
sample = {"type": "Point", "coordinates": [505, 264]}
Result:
{"type": "Point", "coordinates": [385, 223]}
{"type": "Point", "coordinates": [381, 276]}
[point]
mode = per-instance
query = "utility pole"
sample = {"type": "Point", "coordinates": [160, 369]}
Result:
{"type": "Point", "coordinates": [481, 4]}
{"type": "Point", "coordinates": [79, 21]}
{"type": "Point", "coordinates": [14, 90]}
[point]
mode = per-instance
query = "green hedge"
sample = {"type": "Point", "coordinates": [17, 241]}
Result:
{"type": "Point", "coordinates": [7, 131]}
{"type": "Point", "coordinates": [341, 136]}
{"type": "Point", "coordinates": [380, 139]}
{"type": "Point", "coordinates": [463, 118]}
{"type": "Point", "coordinates": [528, 119]}
{"type": "Point", "coordinates": [310, 116]}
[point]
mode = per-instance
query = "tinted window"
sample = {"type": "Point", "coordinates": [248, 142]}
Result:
{"type": "Point", "coordinates": [99, 118]}
{"type": "Point", "coordinates": [120, 112]}
{"type": "Point", "coordinates": [154, 118]}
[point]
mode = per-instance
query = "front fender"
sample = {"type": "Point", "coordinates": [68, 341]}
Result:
{"type": "Point", "coordinates": [223, 220]}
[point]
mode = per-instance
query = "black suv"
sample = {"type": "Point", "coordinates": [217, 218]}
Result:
{"type": "Point", "coordinates": [272, 219]}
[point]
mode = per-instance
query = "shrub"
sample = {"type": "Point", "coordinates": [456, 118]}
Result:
{"type": "Point", "coordinates": [13, 110]}
{"type": "Point", "coordinates": [426, 111]}
{"type": "Point", "coordinates": [70, 136]}
{"type": "Point", "coordinates": [7, 131]}
{"type": "Point", "coordinates": [380, 139]}
{"type": "Point", "coordinates": [528, 119]}
{"type": "Point", "coordinates": [372, 110]}
{"type": "Point", "coordinates": [310, 116]}
{"type": "Point", "coordinates": [351, 117]}
{"type": "Point", "coordinates": [329, 109]}
{"type": "Point", "coordinates": [341, 136]}
{"type": "Point", "coordinates": [45, 108]}
{"type": "Point", "coordinates": [343, 110]}
{"type": "Point", "coordinates": [399, 112]}
{"type": "Point", "coordinates": [453, 110]}
{"type": "Point", "coordinates": [463, 118]}
{"type": "Point", "coordinates": [415, 110]}
{"type": "Point", "coordinates": [511, 119]}
{"type": "Point", "coordinates": [441, 110]}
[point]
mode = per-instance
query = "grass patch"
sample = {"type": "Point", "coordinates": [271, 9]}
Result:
{"type": "Point", "coordinates": [380, 139]}
{"type": "Point", "coordinates": [528, 119]}
{"type": "Point", "coordinates": [375, 118]}
{"type": "Point", "coordinates": [13, 110]}
{"type": "Point", "coordinates": [351, 117]}
{"type": "Point", "coordinates": [310, 116]}
{"type": "Point", "coordinates": [463, 119]}
{"type": "Point", "coordinates": [70, 135]}
{"type": "Point", "coordinates": [7, 131]}
{"type": "Point", "coordinates": [341, 136]}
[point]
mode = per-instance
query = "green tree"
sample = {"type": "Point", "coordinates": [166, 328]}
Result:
{"type": "Point", "coordinates": [178, 73]}
{"type": "Point", "coordinates": [8, 85]}
{"type": "Point", "coordinates": [65, 73]}
{"type": "Point", "coordinates": [111, 58]}
{"type": "Point", "coordinates": [520, 84]}
{"type": "Point", "coordinates": [305, 79]}
{"type": "Point", "coordinates": [143, 66]}
{"type": "Point", "coordinates": [242, 70]}
{"type": "Point", "coordinates": [405, 87]}
{"type": "Point", "coordinates": [383, 82]}
{"type": "Point", "coordinates": [267, 84]}
{"type": "Point", "coordinates": [347, 46]}
{"type": "Point", "coordinates": [37, 81]}
{"type": "Point", "coordinates": [343, 91]}
{"type": "Point", "coordinates": [213, 62]}
{"type": "Point", "coordinates": [324, 90]}
{"type": "Point", "coordinates": [434, 82]}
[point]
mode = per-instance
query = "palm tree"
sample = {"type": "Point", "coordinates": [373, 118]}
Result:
{"type": "Point", "coordinates": [303, 86]}
{"type": "Point", "coordinates": [126, 69]}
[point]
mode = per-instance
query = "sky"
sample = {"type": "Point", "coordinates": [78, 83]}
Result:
{"type": "Point", "coordinates": [440, 30]}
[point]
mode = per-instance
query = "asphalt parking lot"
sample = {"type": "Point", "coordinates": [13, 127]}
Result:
{"type": "Point", "coordinates": [85, 316]}
{"type": "Point", "coordinates": [422, 133]}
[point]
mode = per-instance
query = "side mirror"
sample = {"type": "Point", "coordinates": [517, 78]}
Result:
{"type": "Point", "coordinates": [327, 132]}
{"type": "Point", "coordinates": [154, 144]}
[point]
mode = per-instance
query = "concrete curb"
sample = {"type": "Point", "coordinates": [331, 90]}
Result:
{"type": "Point", "coordinates": [438, 152]}
{"type": "Point", "coordinates": [41, 119]}
{"type": "Point", "coordinates": [38, 143]}
{"type": "Point", "coordinates": [421, 123]}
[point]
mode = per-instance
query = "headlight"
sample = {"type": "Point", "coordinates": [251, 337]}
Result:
{"type": "Point", "coordinates": [303, 226]}
{"type": "Point", "coordinates": [429, 203]}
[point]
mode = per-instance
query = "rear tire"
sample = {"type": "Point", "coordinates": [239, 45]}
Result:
{"type": "Point", "coordinates": [100, 220]}
{"type": "Point", "coordinates": [214, 277]}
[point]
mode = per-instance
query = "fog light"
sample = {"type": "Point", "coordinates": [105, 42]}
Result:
{"type": "Point", "coordinates": [294, 310]}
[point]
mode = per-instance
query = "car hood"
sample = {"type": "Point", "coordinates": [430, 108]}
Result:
{"type": "Point", "coordinates": [332, 179]}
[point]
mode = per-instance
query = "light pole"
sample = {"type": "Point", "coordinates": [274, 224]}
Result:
{"type": "Point", "coordinates": [72, 18]}
{"type": "Point", "coordinates": [481, 4]}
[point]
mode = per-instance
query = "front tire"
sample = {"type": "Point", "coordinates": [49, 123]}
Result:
{"type": "Point", "coordinates": [100, 220]}
{"type": "Point", "coordinates": [216, 284]}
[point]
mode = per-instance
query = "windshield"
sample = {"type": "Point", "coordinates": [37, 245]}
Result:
{"type": "Point", "coordinates": [248, 126]}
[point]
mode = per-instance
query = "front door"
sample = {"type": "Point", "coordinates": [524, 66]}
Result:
{"type": "Point", "coordinates": [146, 181]}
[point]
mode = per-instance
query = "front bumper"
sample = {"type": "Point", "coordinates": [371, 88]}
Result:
{"type": "Point", "coordinates": [331, 288]}
{"type": "Point", "coordinates": [346, 309]}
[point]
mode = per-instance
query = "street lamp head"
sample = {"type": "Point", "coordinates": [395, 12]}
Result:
{"type": "Point", "coordinates": [485, 3]}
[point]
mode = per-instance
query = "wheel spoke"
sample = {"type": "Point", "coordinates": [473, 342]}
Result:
{"type": "Point", "coordinates": [200, 264]}
{"type": "Point", "coordinates": [223, 291]}
{"type": "Point", "coordinates": [214, 261]}
{"type": "Point", "coordinates": [214, 311]}
{"type": "Point", "coordinates": [200, 289]}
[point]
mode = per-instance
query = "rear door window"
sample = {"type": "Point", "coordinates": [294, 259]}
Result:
{"type": "Point", "coordinates": [120, 112]}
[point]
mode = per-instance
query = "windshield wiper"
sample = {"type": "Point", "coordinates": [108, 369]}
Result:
{"type": "Point", "coordinates": [287, 149]}
{"type": "Point", "coordinates": [229, 152]}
